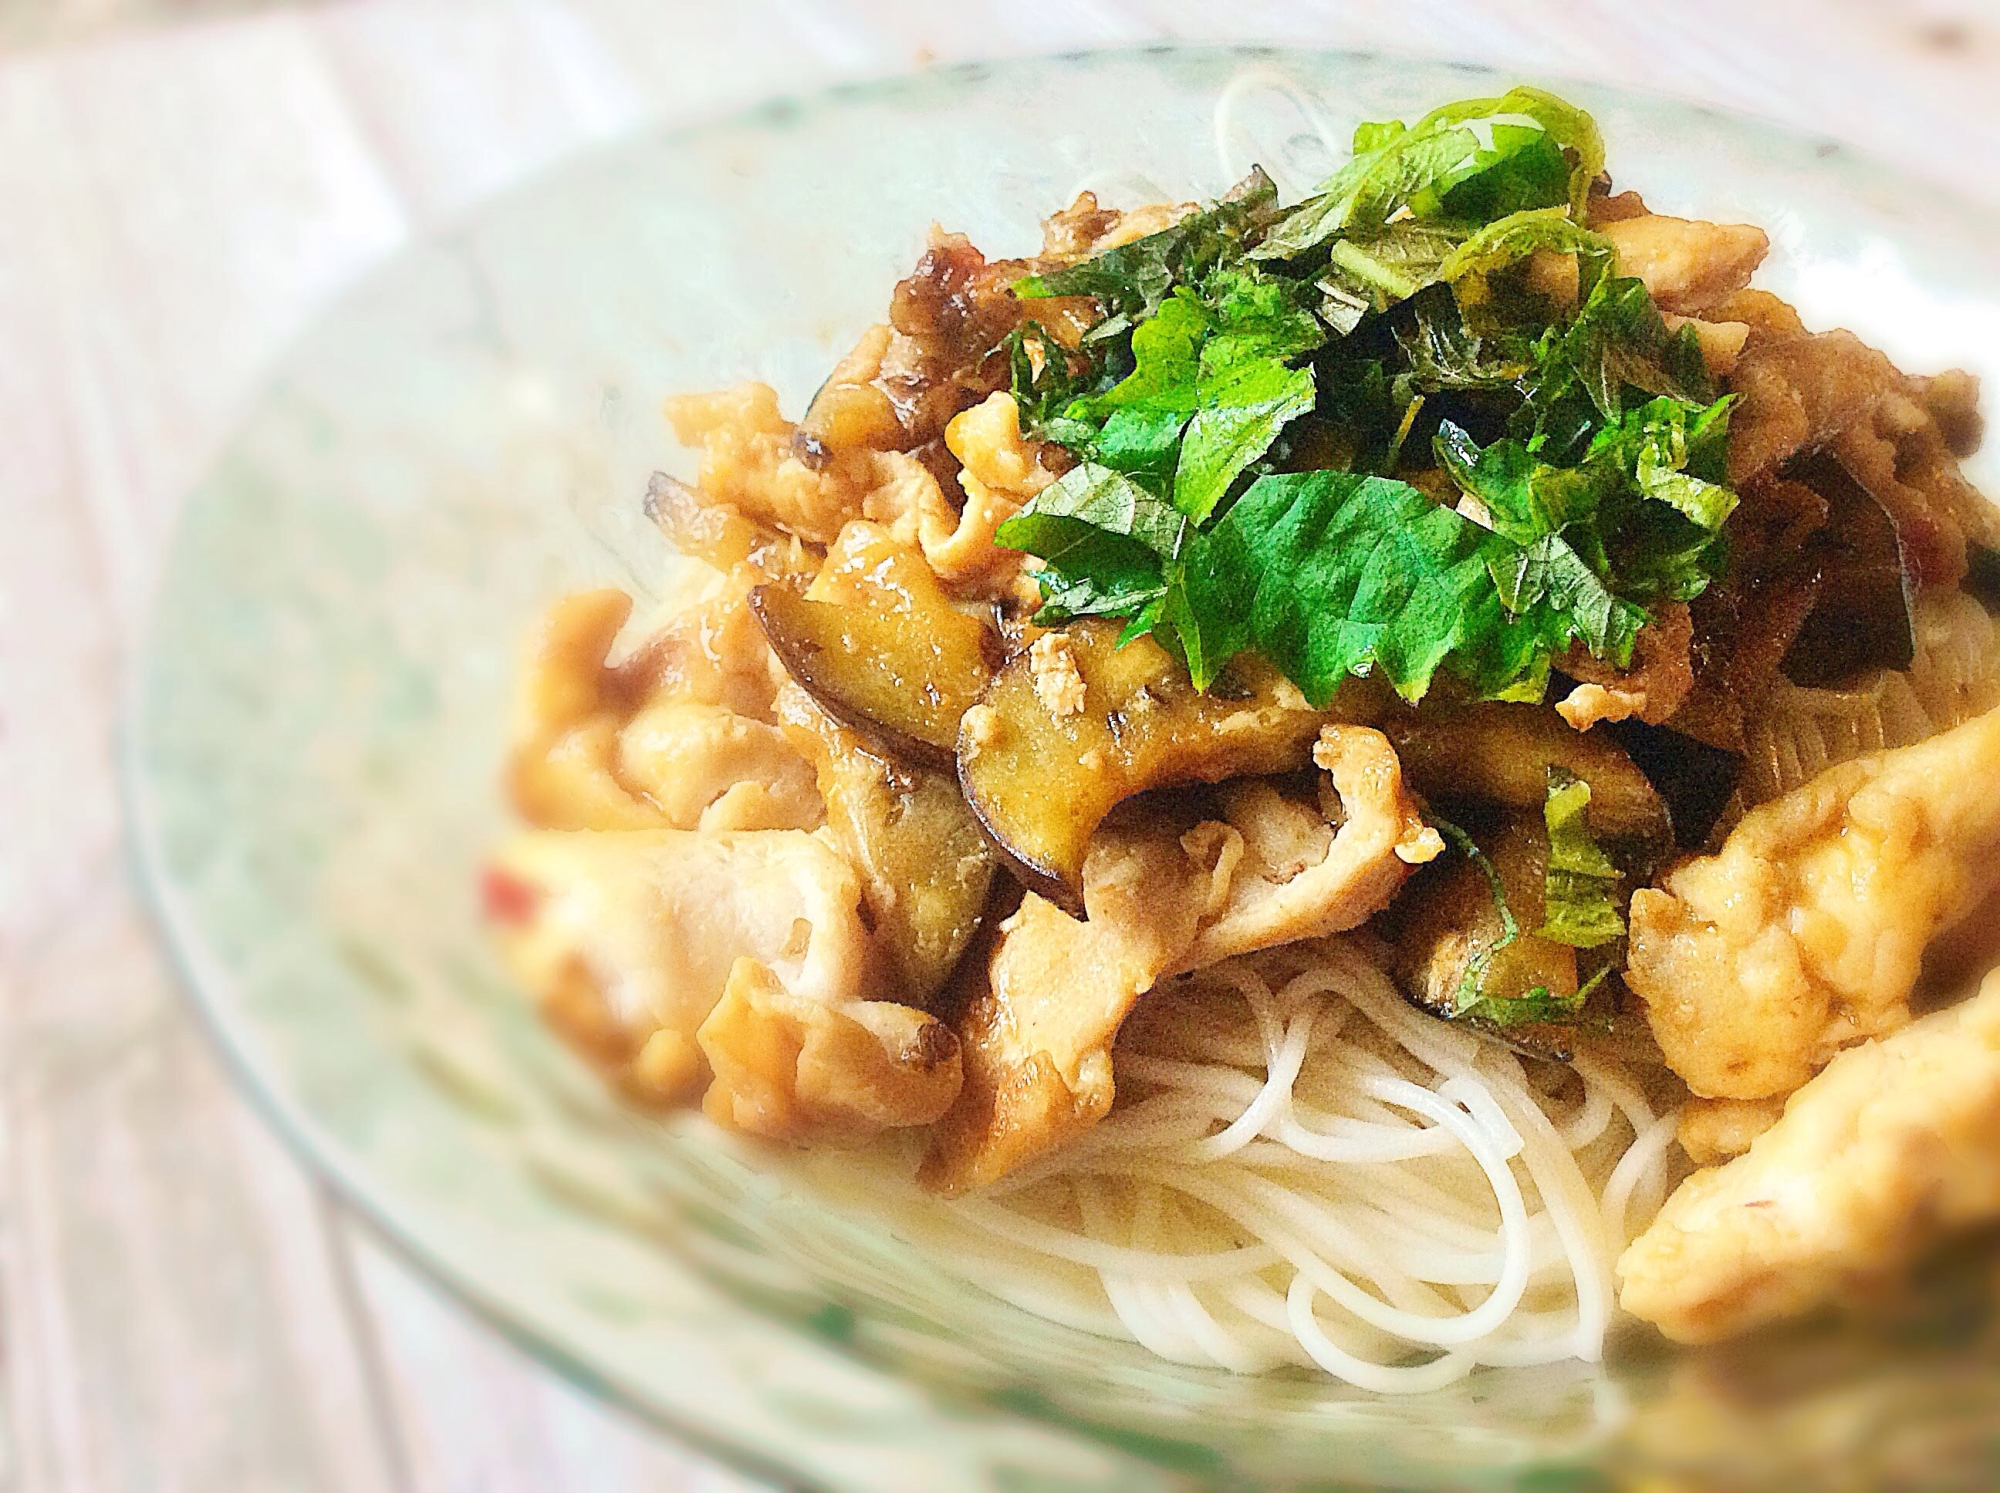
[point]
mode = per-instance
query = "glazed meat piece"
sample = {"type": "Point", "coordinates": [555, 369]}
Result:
{"type": "Point", "coordinates": [1806, 932]}
{"type": "Point", "coordinates": [995, 470]}
{"type": "Point", "coordinates": [1036, 1032]}
{"type": "Point", "coordinates": [677, 736]}
{"type": "Point", "coordinates": [1889, 1147]}
{"type": "Point", "coordinates": [633, 940]}
{"type": "Point", "coordinates": [706, 767]}
{"type": "Point", "coordinates": [794, 1069]}
{"type": "Point", "coordinates": [1713, 1130]}
{"type": "Point", "coordinates": [1280, 871]}
{"type": "Point", "coordinates": [1688, 265]}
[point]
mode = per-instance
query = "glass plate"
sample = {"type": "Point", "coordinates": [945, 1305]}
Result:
{"type": "Point", "coordinates": [313, 750]}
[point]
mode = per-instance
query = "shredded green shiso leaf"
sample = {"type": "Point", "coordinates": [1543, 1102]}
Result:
{"type": "Point", "coordinates": [1537, 1006]}
{"type": "Point", "coordinates": [1259, 377]}
{"type": "Point", "coordinates": [1580, 888]}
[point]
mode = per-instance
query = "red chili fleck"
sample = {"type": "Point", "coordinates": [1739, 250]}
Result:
{"type": "Point", "coordinates": [505, 898]}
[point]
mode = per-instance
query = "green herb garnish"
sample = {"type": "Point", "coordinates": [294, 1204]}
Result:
{"type": "Point", "coordinates": [1580, 892]}
{"type": "Point", "coordinates": [1260, 382]}
{"type": "Point", "coordinates": [1470, 162]}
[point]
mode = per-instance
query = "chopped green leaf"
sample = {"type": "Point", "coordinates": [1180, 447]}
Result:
{"type": "Point", "coordinates": [1132, 280]}
{"type": "Point", "coordinates": [1209, 391]}
{"type": "Point", "coordinates": [1045, 378]}
{"type": "Point", "coordinates": [1508, 241]}
{"type": "Point", "coordinates": [1532, 1008]}
{"type": "Point", "coordinates": [1444, 353]}
{"type": "Point", "coordinates": [1523, 498]}
{"type": "Point", "coordinates": [1392, 266]}
{"type": "Point", "coordinates": [1469, 162]}
{"type": "Point", "coordinates": [1676, 454]}
{"type": "Point", "coordinates": [1595, 488]}
{"type": "Point", "coordinates": [1617, 353]}
{"type": "Point", "coordinates": [1240, 414]}
{"type": "Point", "coordinates": [1548, 585]}
{"type": "Point", "coordinates": [1570, 129]}
{"type": "Point", "coordinates": [1256, 316]}
{"type": "Point", "coordinates": [1143, 441]}
{"type": "Point", "coordinates": [1098, 498]}
{"type": "Point", "coordinates": [1329, 574]}
{"type": "Point", "coordinates": [1166, 352]}
{"type": "Point", "coordinates": [1580, 900]}
{"type": "Point", "coordinates": [1410, 255]}
{"type": "Point", "coordinates": [1105, 540]}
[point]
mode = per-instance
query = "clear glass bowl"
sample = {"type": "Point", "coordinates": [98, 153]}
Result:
{"type": "Point", "coordinates": [314, 743]}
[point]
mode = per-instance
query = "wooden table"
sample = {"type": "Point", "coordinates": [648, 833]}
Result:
{"type": "Point", "coordinates": [182, 1306]}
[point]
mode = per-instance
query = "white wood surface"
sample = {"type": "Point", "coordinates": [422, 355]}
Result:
{"type": "Point", "coordinates": [180, 1306]}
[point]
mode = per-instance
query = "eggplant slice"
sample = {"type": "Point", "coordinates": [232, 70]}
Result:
{"type": "Point", "coordinates": [1500, 755]}
{"type": "Point", "coordinates": [926, 869]}
{"type": "Point", "coordinates": [881, 646]}
{"type": "Point", "coordinates": [1074, 725]}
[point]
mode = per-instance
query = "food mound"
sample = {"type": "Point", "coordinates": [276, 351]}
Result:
{"type": "Point", "coordinates": [1303, 766]}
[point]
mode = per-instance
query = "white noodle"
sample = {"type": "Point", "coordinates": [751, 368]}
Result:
{"type": "Point", "coordinates": [1301, 1169]}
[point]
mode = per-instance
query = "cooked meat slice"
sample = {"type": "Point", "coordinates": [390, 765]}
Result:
{"type": "Point", "coordinates": [1713, 1130]}
{"type": "Point", "coordinates": [712, 652]}
{"type": "Point", "coordinates": [1904, 459]}
{"type": "Point", "coordinates": [1001, 471]}
{"type": "Point", "coordinates": [1605, 206]}
{"type": "Point", "coordinates": [751, 463]}
{"type": "Point", "coordinates": [1083, 228]}
{"type": "Point", "coordinates": [1761, 311]}
{"type": "Point", "coordinates": [1796, 393]}
{"type": "Point", "coordinates": [1072, 233]}
{"type": "Point", "coordinates": [632, 940]}
{"type": "Point", "coordinates": [722, 536]}
{"type": "Point", "coordinates": [794, 1069]}
{"type": "Point", "coordinates": [706, 767]}
{"type": "Point", "coordinates": [1806, 932]}
{"type": "Point", "coordinates": [1896, 1142]}
{"type": "Point", "coordinates": [656, 918]}
{"type": "Point", "coordinates": [1037, 1037]}
{"type": "Point", "coordinates": [1952, 398]}
{"type": "Point", "coordinates": [676, 736]}
{"type": "Point", "coordinates": [1281, 891]}
{"type": "Point", "coordinates": [1687, 265]}
{"type": "Point", "coordinates": [1722, 342]}
{"type": "Point", "coordinates": [562, 769]}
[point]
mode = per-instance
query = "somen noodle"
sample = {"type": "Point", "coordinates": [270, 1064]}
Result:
{"type": "Point", "coordinates": [1307, 1171]}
